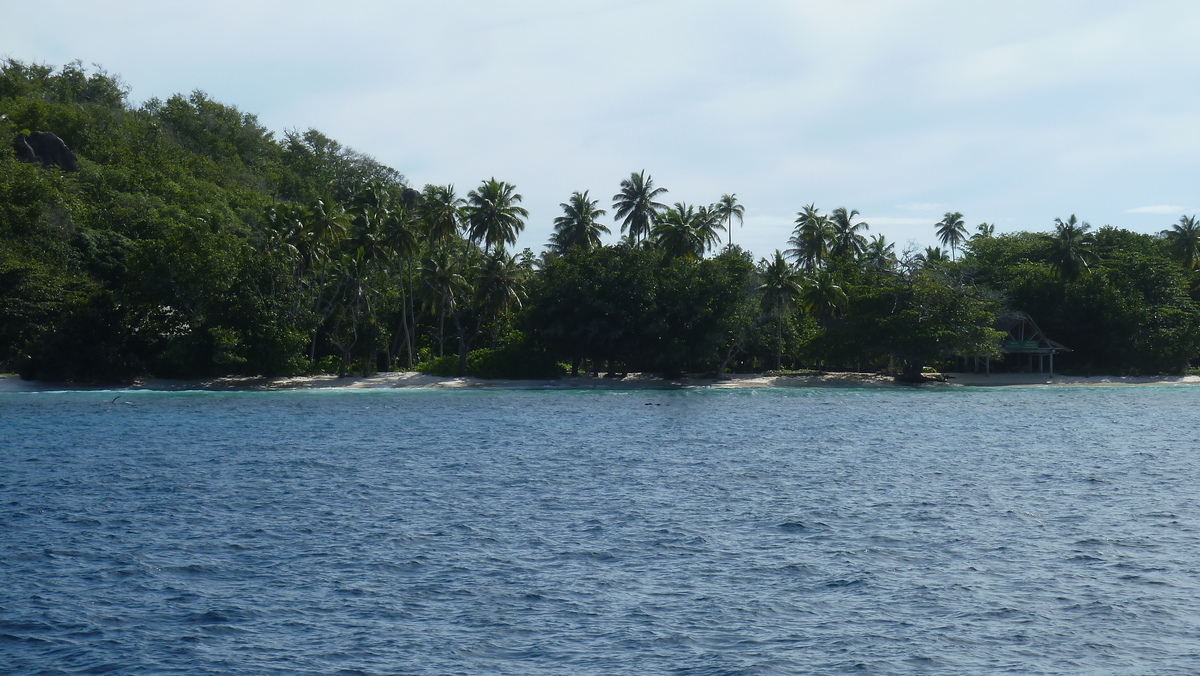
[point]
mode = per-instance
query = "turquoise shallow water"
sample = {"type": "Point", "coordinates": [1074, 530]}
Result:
{"type": "Point", "coordinates": [1021, 530]}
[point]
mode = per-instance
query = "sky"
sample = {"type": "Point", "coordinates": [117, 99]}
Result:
{"type": "Point", "coordinates": [1013, 113]}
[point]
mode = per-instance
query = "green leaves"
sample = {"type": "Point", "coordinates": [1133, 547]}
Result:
{"type": "Point", "coordinates": [812, 238]}
{"type": "Point", "coordinates": [683, 232]}
{"type": "Point", "coordinates": [636, 206]}
{"type": "Point", "coordinates": [1069, 248]}
{"type": "Point", "coordinates": [952, 231]}
{"type": "Point", "coordinates": [492, 214]}
{"type": "Point", "coordinates": [579, 226]}
{"type": "Point", "coordinates": [1184, 241]}
{"type": "Point", "coordinates": [726, 209]}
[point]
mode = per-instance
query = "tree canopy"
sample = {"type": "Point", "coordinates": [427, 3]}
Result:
{"type": "Point", "coordinates": [191, 242]}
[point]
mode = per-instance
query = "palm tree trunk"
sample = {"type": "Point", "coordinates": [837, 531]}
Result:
{"type": "Point", "coordinates": [405, 303]}
{"type": "Point", "coordinates": [779, 343]}
{"type": "Point", "coordinates": [442, 331]}
{"type": "Point", "coordinates": [412, 310]}
{"type": "Point", "coordinates": [463, 346]}
{"type": "Point", "coordinates": [312, 351]}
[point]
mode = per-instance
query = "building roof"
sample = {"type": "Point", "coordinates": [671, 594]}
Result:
{"type": "Point", "coordinates": [1024, 335]}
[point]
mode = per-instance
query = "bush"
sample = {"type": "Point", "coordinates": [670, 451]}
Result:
{"type": "Point", "coordinates": [446, 366]}
{"type": "Point", "coordinates": [514, 362]}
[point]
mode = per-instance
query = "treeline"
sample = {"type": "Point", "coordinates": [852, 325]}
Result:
{"type": "Point", "coordinates": [191, 242]}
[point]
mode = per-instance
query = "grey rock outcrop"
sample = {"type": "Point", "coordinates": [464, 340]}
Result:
{"type": "Point", "coordinates": [44, 149]}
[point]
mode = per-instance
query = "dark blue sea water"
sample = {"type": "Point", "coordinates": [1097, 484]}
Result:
{"type": "Point", "coordinates": [973, 531]}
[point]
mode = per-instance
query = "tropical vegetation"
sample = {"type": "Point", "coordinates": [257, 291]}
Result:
{"type": "Point", "coordinates": [193, 242]}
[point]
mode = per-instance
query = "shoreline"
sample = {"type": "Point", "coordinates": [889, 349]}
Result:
{"type": "Point", "coordinates": [633, 381]}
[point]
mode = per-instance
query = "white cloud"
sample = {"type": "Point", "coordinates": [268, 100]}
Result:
{"type": "Point", "coordinates": [1159, 209]}
{"type": "Point", "coordinates": [901, 220]}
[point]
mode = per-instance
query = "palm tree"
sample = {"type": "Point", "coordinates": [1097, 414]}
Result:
{"type": "Point", "coordinates": [441, 212]}
{"type": "Point", "coordinates": [811, 239]}
{"type": "Point", "coordinates": [398, 232]}
{"type": "Point", "coordinates": [329, 224]}
{"type": "Point", "coordinates": [1184, 238]}
{"type": "Point", "coordinates": [290, 226]}
{"type": "Point", "coordinates": [579, 225]}
{"type": "Point", "coordinates": [443, 281]}
{"type": "Point", "coordinates": [492, 214]}
{"type": "Point", "coordinates": [381, 224]}
{"type": "Point", "coordinates": [781, 287]}
{"type": "Point", "coordinates": [847, 240]}
{"type": "Point", "coordinates": [401, 232]}
{"type": "Point", "coordinates": [677, 233]}
{"type": "Point", "coordinates": [932, 256]}
{"type": "Point", "coordinates": [952, 231]}
{"type": "Point", "coordinates": [285, 230]}
{"type": "Point", "coordinates": [501, 283]}
{"type": "Point", "coordinates": [821, 296]}
{"type": "Point", "coordinates": [322, 235]}
{"type": "Point", "coordinates": [1069, 248]}
{"type": "Point", "coordinates": [985, 230]}
{"type": "Point", "coordinates": [636, 206]}
{"type": "Point", "coordinates": [500, 288]}
{"type": "Point", "coordinates": [880, 254]}
{"type": "Point", "coordinates": [708, 222]}
{"type": "Point", "coordinates": [727, 209]}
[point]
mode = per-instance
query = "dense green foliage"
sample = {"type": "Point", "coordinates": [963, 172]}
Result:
{"type": "Point", "coordinates": [191, 242]}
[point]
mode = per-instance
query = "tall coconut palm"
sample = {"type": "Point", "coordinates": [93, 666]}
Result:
{"type": "Point", "coordinates": [443, 281]}
{"type": "Point", "coordinates": [880, 254]}
{"type": "Point", "coordinates": [493, 215]}
{"type": "Point", "coordinates": [1070, 247]}
{"type": "Point", "coordinates": [381, 223]}
{"type": "Point", "coordinates": [847, 240]}
{"type": "Point", "coordinates": [402, 230]}
{"type": "Point", "coordinates": [811, 239]}
{"type": "Point", "coordinates": [1184, 238]}
{"type": "Point", "coordinates": [951, 231]}
{"type": "Point", "coordinates": [677, 233]}
{"type": "Point", "coordinates": [324, 233]}
{"type": "Point", "coordinates": [579, 226]}
{"type": "Point", "coordinates": [398, 232]}
{"type": "Point", "coordinates": [440, 212]}
{"type": "Point", "coordinates": [780, 288]}
{"type": "Point", "coordinates": [708, 222]}
{"type": "Point", "coordinates": [501, 283]}
{"type": "Point", "coordinates": [727, 209]}
{"type": "Point", "coordinates": [635, 205]}
{"type": "Point", "coordinates": [329, 224]}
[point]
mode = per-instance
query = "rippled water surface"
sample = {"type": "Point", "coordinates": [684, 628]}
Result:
{"type": "Point", "coordinates": [1024, 530]}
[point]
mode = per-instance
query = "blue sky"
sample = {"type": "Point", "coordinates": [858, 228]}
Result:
{"type": "Point", "coordinates": [1013, 113]}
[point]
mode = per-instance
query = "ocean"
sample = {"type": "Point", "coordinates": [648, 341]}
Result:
{"type": "Point", "coordinates": [695, 531]}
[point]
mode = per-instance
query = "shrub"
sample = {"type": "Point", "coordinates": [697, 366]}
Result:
{"type": "Point", "coordinates": [515, 362]}
{"type": "Point", "coordinates": [446, 366]}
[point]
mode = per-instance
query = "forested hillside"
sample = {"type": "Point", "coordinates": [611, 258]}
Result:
{"type": "Point", "coordinates": [189, 241]}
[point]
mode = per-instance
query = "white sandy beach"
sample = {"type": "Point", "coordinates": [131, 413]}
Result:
{"type": "Point", "coordinates": [11, 383]}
